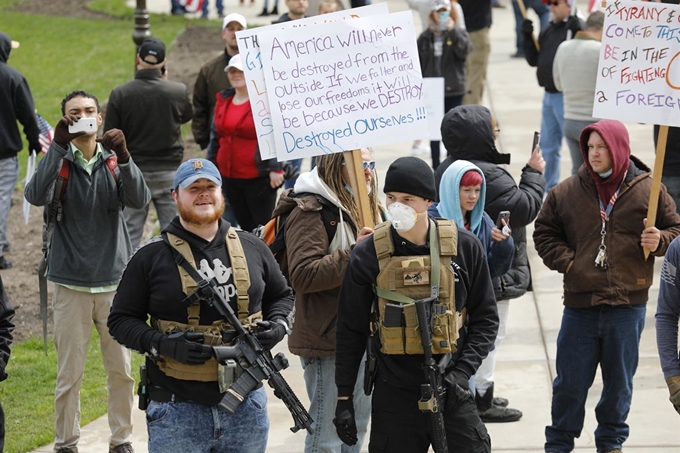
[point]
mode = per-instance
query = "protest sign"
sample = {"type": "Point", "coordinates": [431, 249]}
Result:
{"type": "Point", "coordinates": [249, 49]}
{"type": "Point", "coordinates": [344, 85]}
{"type": "Point", "coordinates": [433, 95]}
{"type": "Point", "coordinates": [639, 72]}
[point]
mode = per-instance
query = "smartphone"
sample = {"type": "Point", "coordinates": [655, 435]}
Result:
{"type": "Point", "coordinates": [537, 140]}
{"type": "Point", "coordinates": [88, 125]}
{"type": "Point", "coordinates": [503, 215]}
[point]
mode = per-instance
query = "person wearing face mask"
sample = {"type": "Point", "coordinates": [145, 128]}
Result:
{"type": "Point", "coordinates": [443, 49]}
{"type": "Point", "coordinates": [316, 265]}
{"type": "Point", "coordinates": [394, 263]}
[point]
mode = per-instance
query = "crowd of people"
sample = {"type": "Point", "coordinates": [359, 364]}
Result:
{"type": "Point", "coordinates": [349, 286]}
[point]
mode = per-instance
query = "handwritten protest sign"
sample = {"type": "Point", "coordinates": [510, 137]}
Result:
{"type": "Point", "coordinates": [433, 95]}
{"type": "Point", "coordinates": [639, 72]}
{"type": "Point", "coordinates": [344, 85]}
{"type": "Point", "coordinates": [249, 49]}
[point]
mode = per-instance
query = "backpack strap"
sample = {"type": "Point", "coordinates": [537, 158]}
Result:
{"type": "Point", "coordinates": [239, 269]}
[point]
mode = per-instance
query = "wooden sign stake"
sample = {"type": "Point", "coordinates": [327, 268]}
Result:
{"type": "Point", "coordinates": [656, 180]}
{"type": "Point", "coordinates": [523, 9]}
{"type": "Point", "coordinates": [355, 170]}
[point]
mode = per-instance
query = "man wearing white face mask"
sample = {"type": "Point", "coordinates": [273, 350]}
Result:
{"type": "Point", "coordinates": [320, 231]}
{"type": "Point", "coordinates": [385, 275]}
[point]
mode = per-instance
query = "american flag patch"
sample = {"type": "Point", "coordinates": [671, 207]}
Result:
{"type": "Point", "coordinates": [46, 133]}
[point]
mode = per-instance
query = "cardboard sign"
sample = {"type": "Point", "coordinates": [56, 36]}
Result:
{"type": "Point", "coordinates": [344, 85]}
{"type": "Point", "coordinates": [249, 48]}
{"type": "Point", "coordinates": [639, 71]}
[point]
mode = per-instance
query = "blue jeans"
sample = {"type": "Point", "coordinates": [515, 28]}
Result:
{"type": "Point", "coordinates": [159, 184]}
{"type": "Point", "coordinates": [552, 129]}
{"type": "Point", "coordinates": [608, 336]}
{"type": "Point", "coordinates": [319, 373]}
{"type": "Point", "coordinates": [9, 173]}
{"type": "Point", "coordinates": [218, 5]}
{"type": "Point", "coordinates": [540, 8]}
{"type": "Point", "coordinates": [297, 163]}
{"type": "Point", "coordinates": [572, 135]}
{"type": "Point", "coordinates": [183, 427]}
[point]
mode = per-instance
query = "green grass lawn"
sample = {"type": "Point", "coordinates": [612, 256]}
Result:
{"type": "Point", "coordinates": [27, 396]}
{"type": "Point", "coordinates": [58, 55]}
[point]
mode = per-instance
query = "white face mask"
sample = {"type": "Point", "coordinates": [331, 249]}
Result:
{"type": "Point", "coordinates": [403, 217]}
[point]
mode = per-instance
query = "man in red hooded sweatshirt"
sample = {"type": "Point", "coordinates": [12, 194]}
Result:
{"type": "Point", "coordinates": [599, 249]}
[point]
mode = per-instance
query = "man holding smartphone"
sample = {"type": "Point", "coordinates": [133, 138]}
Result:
{"type": "Point", "coordinates": [153, 129]}
{"type": "Point", "coordinates": [88, 250]}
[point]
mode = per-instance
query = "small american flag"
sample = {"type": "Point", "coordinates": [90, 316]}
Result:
{"type": "Point", "coordinates": [191, 6]}
{"type": "Point", "coordinates": [46, 133]}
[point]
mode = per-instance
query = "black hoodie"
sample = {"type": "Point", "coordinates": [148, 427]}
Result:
{"type": "Point", "coordinates": [151, 286]}
{"type": "Point", "coordinates": [467, 134]}
{"type": "Point", "coordinates": [16, 103]}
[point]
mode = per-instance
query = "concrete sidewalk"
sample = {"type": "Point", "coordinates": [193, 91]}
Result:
{"type": "Point", "coordinates": [526, 360]}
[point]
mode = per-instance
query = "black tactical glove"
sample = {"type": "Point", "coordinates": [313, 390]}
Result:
{"type": "Point", "coordinates": [673, 383]}
{"type": "Point", "coordinates": [176, 346]}
{"type": "Point", "coordinates": [457, 388]}
{"type": "Point", "coordinates": [114, 140]}
{"type": "Point", "coordinates": [345, 424]}
{"type": "Point", "coordinates": [270, 333]}
{"type": "Point", "coordinates": [62, 136]}
{"type": "Point", "coordinates": [527, 27]}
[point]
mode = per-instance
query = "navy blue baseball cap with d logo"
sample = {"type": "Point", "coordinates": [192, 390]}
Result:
{"type": "Point", "coordinates": [193, 170]}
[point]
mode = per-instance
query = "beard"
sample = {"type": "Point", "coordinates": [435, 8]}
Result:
{"type": "Point", "coordinates": [188, 215]}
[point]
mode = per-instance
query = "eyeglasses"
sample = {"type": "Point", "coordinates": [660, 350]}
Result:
{"type": "Point", "coordinates": [369, 165]}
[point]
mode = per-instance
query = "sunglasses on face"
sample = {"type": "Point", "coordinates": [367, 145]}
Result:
{"type": "Point", "coordinates": [556, 3]}
{"type": "Point", "coordinates": [370, 165]}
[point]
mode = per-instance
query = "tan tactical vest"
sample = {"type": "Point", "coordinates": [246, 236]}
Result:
{"type": "Point", "coordinates": [207, 372]}
{"type": "Point", "coordinates": [404, 279]}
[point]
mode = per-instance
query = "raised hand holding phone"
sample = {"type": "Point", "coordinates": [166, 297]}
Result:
{"type": "Point", "coordinates": [536, 160]}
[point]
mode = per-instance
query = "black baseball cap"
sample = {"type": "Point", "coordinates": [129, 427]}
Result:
{"type": "Point", "coordinates": [152, 51]}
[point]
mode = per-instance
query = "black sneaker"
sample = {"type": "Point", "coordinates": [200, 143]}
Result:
{"type": "Point", "coordinates": [5, 263]}
{"type": "Point", "coordinates": [499, 414]}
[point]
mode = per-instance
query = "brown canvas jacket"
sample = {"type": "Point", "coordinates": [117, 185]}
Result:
{"type": "Point", "coordinates": [568, 229]}
{"type": "Point", "coordinates": [315, 275]}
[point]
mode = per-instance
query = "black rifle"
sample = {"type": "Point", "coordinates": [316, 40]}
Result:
{"type": "Point", "coordinates": [257, 363]}
{"type": "Point", "coordinates": [432, 393]}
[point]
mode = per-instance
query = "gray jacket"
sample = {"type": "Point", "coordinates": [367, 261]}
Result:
{"type": "Point", "coordinates": [91, 245]}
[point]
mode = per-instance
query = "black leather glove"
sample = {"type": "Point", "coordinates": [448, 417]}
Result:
{"type": "Point", "coordinates": [345, 424]}
{"type": "Point", "coordinates": [527, 27]}
{"type": "Point", "coordinates": [114, 140]}
{"type": "Point", "coordinates": [62, 136]}
{"type": "Point", "coordinates": [176, 346]}
{"type": "Point", "coordinates": [270, 333]}
{"type": "Point", "coordinates": [457, 388]}
{"type": "Point", "coordinates": [34, 148]}
{"type": "Point", "coordinates": [574, 25]}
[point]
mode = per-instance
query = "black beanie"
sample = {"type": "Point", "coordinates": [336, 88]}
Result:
{"type": "Point", "coordinates": [411, 175]}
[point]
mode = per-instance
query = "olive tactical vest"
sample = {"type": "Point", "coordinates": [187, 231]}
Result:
{"type": "Point", "coordinates": [404, 279]}
{"type": "Point", "coordinates": [208, 372]}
